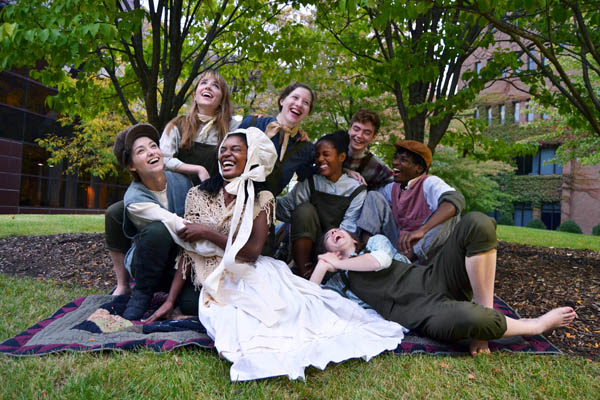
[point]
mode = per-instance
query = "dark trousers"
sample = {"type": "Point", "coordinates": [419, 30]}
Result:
{"type": "Point", "coordinates": [305, 222]}
{"type": "Point", "coordinates": [153, 260]}
{"type": "Point", "coordinates": [154, 257]}
{"type": "Point", "coordinates": [113, 228]}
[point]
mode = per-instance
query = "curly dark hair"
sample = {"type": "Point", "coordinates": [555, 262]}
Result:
{"type": "Point", "coordinates": [339, 139]}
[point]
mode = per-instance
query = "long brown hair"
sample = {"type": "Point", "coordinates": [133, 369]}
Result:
{"type": "Point", "coordinates": [293, 86]}
{"type": "Point", "coordinates": [189, 124]}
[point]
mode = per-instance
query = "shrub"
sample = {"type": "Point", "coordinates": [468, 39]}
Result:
{"type": "Point", "coordinates": [596, 230]}
{"type": "Point", "coordinates": [506, 219]}
{"type": "Point", "coordinates": [569, 226]}
{"type": "Point", "coordinates": [536, 224]}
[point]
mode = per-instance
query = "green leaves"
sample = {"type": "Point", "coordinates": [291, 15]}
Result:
{"type": "Point", "coordinates": [412, 51]}
{"type": "Point", "coordinates": [8, 29]}
{"type": "Point", "coordinates": [566, 36]}
{"type": "Point", "coordinates": [91, 29]}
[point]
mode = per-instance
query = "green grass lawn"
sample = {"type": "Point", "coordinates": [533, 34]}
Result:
{"type": "Point", "coordinates": [541, 237]}
{"type": "Point", "coordinates": [198, 373]}
{"type": "Point", "coordinates": [33, 224]}
{"type": "Point", "coordinates": [44, 224]}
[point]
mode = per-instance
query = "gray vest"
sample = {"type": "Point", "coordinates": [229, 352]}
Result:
{"type": "Point", "coordinates": [177, 188]}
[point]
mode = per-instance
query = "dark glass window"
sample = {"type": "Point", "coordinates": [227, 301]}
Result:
{"type": "Point", "coordinates": [12, 123]}
{"type": "Point", "coordinates": [542, 164]}
{"type": "Point", "coordinates": [34, 160]}
{"type": "Point", "coordinates": [551, 215]}
{"type": "Point", "coordinates": [539, 164]}
{"type": "Point", "coordinates": [47, 186]}
{"type": "Point", "coordinates": [36, 97]}
{"type": "Point", "coordinates": [524, 165]}
{"type": "Point", "coordinates": [12, 90]}
{"type": "Point", "coordinates": [67, 192]}
{"type": "Point", "coordinates": [523, 214]}
{"type": "Point", "coordinates": [494, 214]}
{"type": "Point", "coordinates": [546, 166]}
{"type": "Point", "coordinates": [517, 112]}
{"type": "Point", "coordinates": [530, 111]}
{"type": "Point", "coordinates": [38, 127]}
{"type": "Point", "coordinates": [530, 61]}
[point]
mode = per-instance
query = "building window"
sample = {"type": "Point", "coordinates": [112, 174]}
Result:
{"type": "Point", "coordinates": [544, 61]}
{"type": "Point", "coordinates": [517, 115]}
{"type": "Point", "coordinates": [13, 91]}
{"type": "Point", "coordinates": [551, 215]}
{"type": "Point", "coordinates": [494, 214]}
{"type": "Point", "coordinates": [531, 62]}
{"type": "Point", "coordinates": [545, 116]}
{"type": "Point", "coordinates": [11, 123]}
{"type": "Point", "coordinates": [524, 165]}
{"type": "Point", "coordinates": [478, 67]}
{"type": "Point", "coordinates": [543, 162]}
{"type": "Point", "coordinates": [502, 113]}
{"type": "Point", "coordinates": [523, 214]}
{"type": "Point", "coordinates": [47, 187]}
{"type": "Point", "coordinates": [476, 113]}
{"type": "Point", "coordinates": [530, 114]}
{"type": "Point", "coordinates": [539, 164]}
{"type": "Point", "coordinates": [489, 116]}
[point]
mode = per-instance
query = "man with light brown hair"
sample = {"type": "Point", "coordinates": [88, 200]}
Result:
{"type": "Point", "coordinates": [361, 164]}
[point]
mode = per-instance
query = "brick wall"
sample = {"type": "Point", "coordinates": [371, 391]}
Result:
{"type": "Point", "coordinates": [581, 196]}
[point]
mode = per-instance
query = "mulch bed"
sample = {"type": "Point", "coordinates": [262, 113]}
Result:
{"type": "Point", "coordinates": [530, 279]}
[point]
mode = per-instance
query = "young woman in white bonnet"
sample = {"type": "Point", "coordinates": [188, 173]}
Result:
{"type": "Point", "coordinates": [265, 320]}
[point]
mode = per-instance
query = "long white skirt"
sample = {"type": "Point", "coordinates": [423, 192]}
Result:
{"type": "Point", "coordinates": [316, 327]}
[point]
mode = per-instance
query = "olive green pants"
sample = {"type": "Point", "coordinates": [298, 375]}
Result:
{"type": "Point", "coordinates": [435, 300]}
{"type": "Point", "coordinates": [305, 223]}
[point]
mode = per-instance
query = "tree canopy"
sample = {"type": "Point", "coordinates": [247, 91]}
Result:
{"type": "Point", "coordinates": [150, 55]}
{"type": "Point", "coordinates": [562, 38]}
{"type": "Point", "coordinates": [414, 51]}
{"type": "Point", "coordinates": [404, 59]}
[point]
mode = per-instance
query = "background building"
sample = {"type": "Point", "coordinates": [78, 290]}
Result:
{"type": "Point", "coordinates": [27, 183]}
{"type": "Point", "coordinates": [544, 190]}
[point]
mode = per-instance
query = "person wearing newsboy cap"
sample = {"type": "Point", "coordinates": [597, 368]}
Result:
{"type": "Point", "coordinates": [418, 211]}
{"type": "Point", "coordinates": [154, 197]}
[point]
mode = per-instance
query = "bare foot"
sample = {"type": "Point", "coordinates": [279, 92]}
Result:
{"type": "Point", "coordinates": [477, 347]}
{"type": "Point", "coordinates": [556, 318]}
{"type": "Point", "coordinates": [121, 290]}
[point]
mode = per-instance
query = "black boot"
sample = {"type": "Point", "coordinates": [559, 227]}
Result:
{"type": "Point", "coordinates": [151, 266]}
{"type": "Point", "coordinates": [137, 305]}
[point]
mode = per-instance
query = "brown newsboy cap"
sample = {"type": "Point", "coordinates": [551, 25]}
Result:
{"type": "Point", "coordinates": [125, 139]}
{"type": "Point", "coordinates": [417, 148]}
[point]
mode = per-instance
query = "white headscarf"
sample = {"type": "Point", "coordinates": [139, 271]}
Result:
{"type": "Point", "coordinates": [260, 161]}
